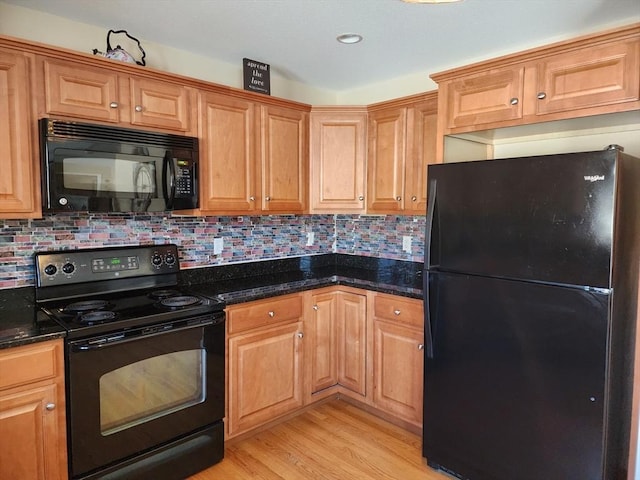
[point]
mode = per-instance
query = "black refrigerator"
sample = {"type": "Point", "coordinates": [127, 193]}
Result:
{"type": "Point", "coordinates": [530, 290]}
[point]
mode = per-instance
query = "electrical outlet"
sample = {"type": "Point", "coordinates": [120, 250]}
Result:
{"type": "Point", "coordinates": [310, 238]}
{"type": "Point", "coordinates": [218, 244]}
{"type": "Point", "coordinates": [406, 243]}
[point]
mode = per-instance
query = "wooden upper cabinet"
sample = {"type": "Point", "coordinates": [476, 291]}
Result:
{"type": "Point", "coordinates": [421, 140]}
{"type": "Point", "coordinates": [603, 75]}
{"type": "Point", "coordinates": [155, 103]}
{"type": "Point", "coordinates": [228, 182]}
{"type": "Point", "coordinates": [338, 149]}
{"type": "Point", "coordinates": [402, 143]}
{"type": "Point", "coordinates": [19, 192]}
{"type": "Point", "coordinates": [386, 160]}
{"type": "Point", "coordinates": [283, 157]}
{"type": "Point", "coordinates": [590, 75]}
{"type": "Point", "coordinates": [91, 93]}
{"type": "Point", "coordinates": [485, 98]}
{"type": "Point", "coordinates": [83, 92]}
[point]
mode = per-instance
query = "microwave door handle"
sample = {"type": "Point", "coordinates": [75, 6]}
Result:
{"type": "Point", "coordinates": [169, 181]}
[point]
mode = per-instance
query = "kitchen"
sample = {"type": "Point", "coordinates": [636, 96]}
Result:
{"type": "Point", "coordinates": [251, 237]}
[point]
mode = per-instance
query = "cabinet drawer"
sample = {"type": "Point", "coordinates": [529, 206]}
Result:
{"type": "Point", "coordinates": [398, 309]}
{"type": "Point", "coordinates": [264, 312]}
{"type": "Point", "coordinates": [29, 363]}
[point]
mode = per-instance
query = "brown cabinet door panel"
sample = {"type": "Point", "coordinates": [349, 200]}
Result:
{"type": "Point", "coordinates": [83, 92]}
{"type": "Point", "coordinates": [160, 104]}
{"type": "Point", "coordinates": [591, 77]}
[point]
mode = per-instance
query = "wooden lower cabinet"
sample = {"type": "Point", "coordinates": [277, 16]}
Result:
{"type": "Point", "coordinates": [264, 347]}
{"type": "Point", "coordinates": [336, 343]}
{"type": "Point", "coordinates": [289, 351]}
{"type": "Point", "coordinates": [32, 412]}
{"type": "Point", "coordinates": [398, 357]}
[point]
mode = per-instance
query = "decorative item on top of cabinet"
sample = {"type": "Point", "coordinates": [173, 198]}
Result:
{"type": "Point", "coordinates": [19, 193]}
{"type": "Point", "coordinates": [107, 94]}
{"type": "Point", "coordinates": [32, 412]}
{"type": "Point", "coordinates": [398, 356]}
{"type": "Point", "coordinates": [338, 152]}
{"type": "Point", "coordinates": [590, 75]}
{"type": "Point", "coordinates": [402, 142]}
{"type": "Point", "coordinates": [265, 348]}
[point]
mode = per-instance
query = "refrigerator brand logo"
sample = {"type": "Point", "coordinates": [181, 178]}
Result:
{"type": "Point", "coordinates": [593, 178]}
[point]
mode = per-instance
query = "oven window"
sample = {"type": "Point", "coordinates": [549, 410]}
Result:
{"type": "Point", "coordinates": [151, 388]}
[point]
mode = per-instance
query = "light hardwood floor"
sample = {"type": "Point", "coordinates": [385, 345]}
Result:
{"type": "Point", "coordinates": [334, 441]}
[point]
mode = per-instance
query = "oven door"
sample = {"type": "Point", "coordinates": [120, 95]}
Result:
{"type": "Point", "coordinates": [132, 392]}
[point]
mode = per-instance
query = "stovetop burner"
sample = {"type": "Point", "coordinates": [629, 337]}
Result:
{"type": "Point", "coordinates": [85, 305]}
{"type": "Point", "coordinates": [180, 301]}
{"type": "Point", "coordinates": [97, 316]}
{"type": "Point", "coordinates": [164, 293]}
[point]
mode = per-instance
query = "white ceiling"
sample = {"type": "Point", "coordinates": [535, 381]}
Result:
{"type": "Point", "coordinates": [297, 37]}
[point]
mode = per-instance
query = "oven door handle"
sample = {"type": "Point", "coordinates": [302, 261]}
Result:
{"type": "Point", "coordinates": [120, 338]}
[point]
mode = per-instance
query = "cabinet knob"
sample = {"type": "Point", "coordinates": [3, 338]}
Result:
{"type": "Point", "coordinates": [252, 198]}
{"type": "Point", "coordinates": [50, 406]}
{"type": "Point", "coordinates": [421, 347]}
{"type": "Point", "coordinates": [414, 198]}
{"type": "Point", "coordinates": [361, 197]}
{"type": "Point", "coordinates": [272, 313]}
{"type": "Point", "coordinates": [138, 108]}
{"type": "Point", "coordinates": [396, 312]}
{"type": "Point", "coordinates": [300, 335]}
{"type": "Point", "coordinates": [267, 198]}
{"type": "Point", "coordinates": [315, 307]}
{"type": "Point", "coordinates": [398, 198]}
{"type": "Point", "coordinates": [113, 105]}
{"type": "Point", "coordinates": [541, 96]}
{"type": "Point", "coordinates": [513, 101]}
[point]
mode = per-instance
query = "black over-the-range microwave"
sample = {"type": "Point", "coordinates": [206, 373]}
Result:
{"type": "Point", "coordinates": [97, 168]}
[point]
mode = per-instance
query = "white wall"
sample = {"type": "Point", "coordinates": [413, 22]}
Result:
{"type": "Point", "coordinates": [57, 31]}
{"type": "Point", "coordinates": [49, 29]}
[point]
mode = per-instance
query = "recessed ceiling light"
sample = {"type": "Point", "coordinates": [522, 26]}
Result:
{"type": "Point", "coordinates": [349, 38]}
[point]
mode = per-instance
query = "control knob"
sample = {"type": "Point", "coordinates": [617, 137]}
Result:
{"type": "Point", "coordinates": [156, 259]}
{"type": "Point", "coordinates": [170, 259]}
{"type": "Point", "coordinates": [50, 269]}
{"type": "Point", "coordinates": [68, 268]}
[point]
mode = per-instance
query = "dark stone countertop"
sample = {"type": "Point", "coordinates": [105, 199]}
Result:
{"type": "Point", "coordinates": [21, 323]}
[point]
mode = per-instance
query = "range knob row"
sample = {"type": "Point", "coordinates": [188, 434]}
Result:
{"type": "Point", "coordinates": [67, 268]}
{"type": "Point", "coordinates": [169, 259]}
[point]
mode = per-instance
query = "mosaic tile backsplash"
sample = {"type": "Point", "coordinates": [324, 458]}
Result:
{"type": "Point", "coordinates": [244, 239]}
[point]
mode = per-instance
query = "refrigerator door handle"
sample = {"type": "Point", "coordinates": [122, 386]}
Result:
{"type": "Point", "coordinates": [431, 204]}
{"type": "Point", "coordinates": [428, 334]}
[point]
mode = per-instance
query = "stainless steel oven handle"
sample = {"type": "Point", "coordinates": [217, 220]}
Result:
{"type": "Point", "coordinates": [85, 347]}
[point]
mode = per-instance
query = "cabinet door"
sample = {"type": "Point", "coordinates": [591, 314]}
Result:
{"type": "Point", "coordinates": [19, 193]}
{"type": "Point", "coordinates": [160, 104]}
{"type": "Point", "coordinates": [284, 158]}
{"type": "Point", "coordinates": [386, 160]}
{"type": "Point", "coordinates": [322, 342]}
{"type": "Point", "coordinates": [81, 92]}
{"type": "Point", "coordinates": [337, 165]}
{"type": "Point", "coordinates": [398, 370]}
{"type": "Point", "coordinates": [265, 376]}
{"type": "Point", "coordinates": [30, 439]}
{"type": "Point", "coordinates": [421, 140]}
{"type": "Point", "coordinates": [590, 77]}
{"type": "Point", "coordinates": [352, 341]}
{"type": "Point", "coordinates": [228, 163]}
{"type": "Point", "coordinates": [488, 97]}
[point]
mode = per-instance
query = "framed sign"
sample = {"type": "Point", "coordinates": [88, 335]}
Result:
{"type": "Point", "coordinates": [256, 76]}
